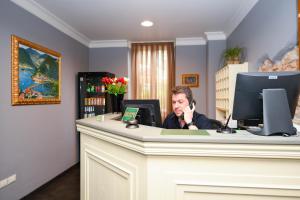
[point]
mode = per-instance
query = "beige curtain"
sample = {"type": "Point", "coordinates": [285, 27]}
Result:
{"type": "Point", "coordinates": [153, 73]}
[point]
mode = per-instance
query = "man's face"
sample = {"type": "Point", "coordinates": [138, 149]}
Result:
{"type": "Point", "coordinates": [179, 103]}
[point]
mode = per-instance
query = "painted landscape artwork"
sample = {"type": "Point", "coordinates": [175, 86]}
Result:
{"type": "Point", "coordinates": [38, 74]}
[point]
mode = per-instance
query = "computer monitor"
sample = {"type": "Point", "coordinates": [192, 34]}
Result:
{"type": "Point", "coordinates": [149, 111]}
{"type": "Point", "coordinates": [270, 97]}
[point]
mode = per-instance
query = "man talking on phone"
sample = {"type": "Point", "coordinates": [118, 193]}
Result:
{"type": "Point", "coordinates": [184, 115]}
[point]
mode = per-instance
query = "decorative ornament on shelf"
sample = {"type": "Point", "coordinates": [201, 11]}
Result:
{"type": "Point", "coordinates": [289, 62]}
{"type": "Point", "coordinates": [116, 87]}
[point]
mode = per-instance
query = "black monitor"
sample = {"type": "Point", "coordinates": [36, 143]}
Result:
{"type": "Point", "coordinates": [149, 111]}
{"type": "Point", "coordinates": [267, 97]}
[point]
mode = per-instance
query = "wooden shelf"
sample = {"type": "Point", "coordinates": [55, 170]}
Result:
{"type": "Point", "coordinates": [225, 86]}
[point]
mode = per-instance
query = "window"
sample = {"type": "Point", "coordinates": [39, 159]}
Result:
{"type": "Point", "coordinates": [153, 73]}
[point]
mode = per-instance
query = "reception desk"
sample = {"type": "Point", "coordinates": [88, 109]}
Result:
{"type": "Point", "coordinates": [141, 164]}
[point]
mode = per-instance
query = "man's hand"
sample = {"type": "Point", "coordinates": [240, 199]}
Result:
{"type": "Point", "coordinates": [188, 114]}
{"type": "Point", "coordinates": [193, 127]}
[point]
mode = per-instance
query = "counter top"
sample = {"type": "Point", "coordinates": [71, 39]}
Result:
{"type": "Point", "coordinates": [143, 164]}
{"type": "Point", "coordinates": [107, 123]}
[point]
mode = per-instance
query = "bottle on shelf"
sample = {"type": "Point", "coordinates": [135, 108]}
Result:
{"type": "Point", "coordinates": [93, 111]}
{"type": "Point", "coordinates": [89, 112]}
{"type": "Point", "coordinates": [85, 112]}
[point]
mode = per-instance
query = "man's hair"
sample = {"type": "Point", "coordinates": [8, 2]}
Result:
{"type": "Point", "coordinates": [183, 90]}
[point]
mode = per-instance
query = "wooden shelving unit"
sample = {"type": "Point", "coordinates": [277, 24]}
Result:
{"type": "Point", "coordinates": [225, 86]}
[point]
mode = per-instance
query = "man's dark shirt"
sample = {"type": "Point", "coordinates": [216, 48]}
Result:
{"type": "Point", "coordinates": [199, 120]}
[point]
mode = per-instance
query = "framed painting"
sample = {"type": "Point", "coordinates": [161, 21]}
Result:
{"type": "Point", "coordinates": [190, 80]}
{"type": "Point", "coordinates": [36, 73]}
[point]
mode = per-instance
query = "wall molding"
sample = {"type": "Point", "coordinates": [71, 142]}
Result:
{"type": "Point", "coordinates": [112, 164]}
{"type": "Point", "coordinates": [183, 190]}
{"type": "Point", "coordinates": [190, 41]}
{"type": "Point", "coordinates": [108, 43]}
{"type": "Point", "coordinates": [47, 16]}
{"type": "Point", "coordinates": [215, 35]}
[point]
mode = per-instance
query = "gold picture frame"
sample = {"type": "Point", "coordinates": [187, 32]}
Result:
{"type": "Point", "coordinates": [36, 73]}
{"type": "Point", "coordinates": [190, 80]}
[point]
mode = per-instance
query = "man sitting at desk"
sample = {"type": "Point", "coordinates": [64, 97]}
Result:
{"type": "Point", "coordinates": [184, 115]}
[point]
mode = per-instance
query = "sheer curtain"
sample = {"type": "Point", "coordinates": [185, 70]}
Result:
{"type": "Point", "coordinates": [153, 73]}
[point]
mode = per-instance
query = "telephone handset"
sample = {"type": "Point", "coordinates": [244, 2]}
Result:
{"type": "Point", "coordinates": [191, 107]}
{"type": "Point", "coordinates": [191, 104]}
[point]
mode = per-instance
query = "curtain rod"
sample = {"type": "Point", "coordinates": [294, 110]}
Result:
{"type": "Point", "coordinates": [145, 42]}
{"type": "Point", "coordinates": [151, 41]}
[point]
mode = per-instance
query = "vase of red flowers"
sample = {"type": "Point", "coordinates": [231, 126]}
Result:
{"type": "Point", "coordinates": [116, 88]}
{"type": "Point", "coordinates": [116, 102]}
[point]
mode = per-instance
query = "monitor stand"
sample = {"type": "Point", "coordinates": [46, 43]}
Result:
{"type": "Point", "coordinates": [277, 119]}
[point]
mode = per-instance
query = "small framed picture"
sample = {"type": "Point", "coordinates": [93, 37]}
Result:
{"type": "Point", "coordinates": [190, 80]}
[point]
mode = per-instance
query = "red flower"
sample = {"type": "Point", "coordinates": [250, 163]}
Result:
{"type": "Point", "coordinates": [121, 80]}
{"type": "Point", "coordinates": [107, 80]}
{"type": "Point", "coordinates": [115, 85]}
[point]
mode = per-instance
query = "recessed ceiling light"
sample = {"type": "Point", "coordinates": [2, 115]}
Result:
{"type": "Point", "coordinates": [147, 23]}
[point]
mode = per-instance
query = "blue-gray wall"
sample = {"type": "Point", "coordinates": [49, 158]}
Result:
{"type": "Point", "coordinates": [113, 59]}
{"type": "Point", "coordinates": [269, 29]}
{"type": "Point", "coordinates": [215, 49]}
{"type": "Point", "coordinates": [192, 59]}
{"type": "Point", "coordinates": [37, 142]}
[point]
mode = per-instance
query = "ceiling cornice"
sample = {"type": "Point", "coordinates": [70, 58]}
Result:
{"type": "Point", "coordinates": [190, 41]}
{"type": "Point", "coordinates": [126, 43]}
{"type": "Point", "coordinates": [108, 43]}
{"type": "Point", "coordinates": [238, 17]}
{"type": "Point", "coordinates": [215, 35]}
{"type": "Point", "coordinates": [44, 14]}
{"type": "Point", "coordinates": [47, 16]}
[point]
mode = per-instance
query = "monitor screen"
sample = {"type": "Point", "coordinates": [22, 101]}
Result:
{"type": "Point", "coordinates": [249, 98]}
{"type": "Point", "coordinates": [149, 111]}
{"type": "Point", "coordinates": [249, 86]}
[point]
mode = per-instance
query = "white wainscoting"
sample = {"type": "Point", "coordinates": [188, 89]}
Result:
{"type": "Point", "coordinates": [115, 167]}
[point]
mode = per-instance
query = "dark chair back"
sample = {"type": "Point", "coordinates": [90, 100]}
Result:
{"type": "Point", "coordinates": [215, 124]}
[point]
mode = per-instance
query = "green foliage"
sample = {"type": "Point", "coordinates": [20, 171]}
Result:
{"type": "Point", "coordinates": [116, 88]}
{"type": "Point", "coordinates": [24, 58]}
{"type": "Point", "coordinates": [54, 88]}
{"type": "Point", "coordinates": [233, 53]}
{"type": "Point", "coordinates": [122, 89]}
{"type": "Point", "coordinates": [49, 67]}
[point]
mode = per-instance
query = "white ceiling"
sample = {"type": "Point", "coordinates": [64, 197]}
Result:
{"type": "Point", "coordinates": [92, 21]}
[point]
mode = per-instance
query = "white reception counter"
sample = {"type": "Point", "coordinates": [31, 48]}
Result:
{"type": "Point", "coordinates": [141, 164]}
